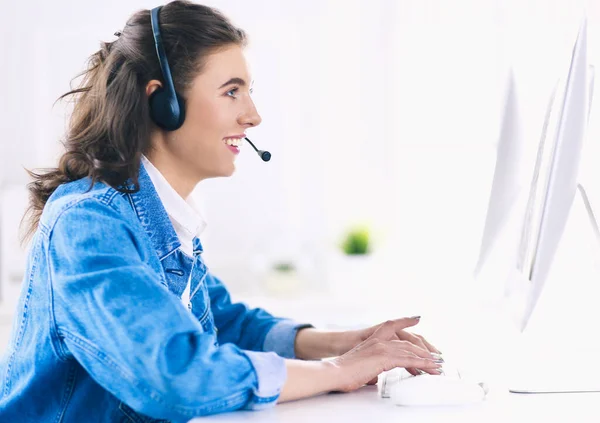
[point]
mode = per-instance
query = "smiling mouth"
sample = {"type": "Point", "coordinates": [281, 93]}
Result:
{"type": "Point", "coordinates": [233, 144]}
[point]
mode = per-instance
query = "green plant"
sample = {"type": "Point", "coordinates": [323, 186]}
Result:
{"type": "Point", "coordinates": [357, 241]}
{"type": "Point", "coordinates": [284, 266]}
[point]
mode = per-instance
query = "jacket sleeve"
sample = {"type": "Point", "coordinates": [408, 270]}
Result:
{"type": "Point", "coordinates": [251, 329]}
{"type": "Point", "coordinates": [133, 336]}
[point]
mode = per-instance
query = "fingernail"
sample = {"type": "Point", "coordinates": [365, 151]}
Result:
{"type": "Point", "coordinates": [436, 355]}
{"type": "Point", "coordinates": [416, 317]}
{"type": "Point", "coordinates": [439, 361]}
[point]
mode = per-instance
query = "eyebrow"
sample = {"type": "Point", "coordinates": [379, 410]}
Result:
{"type": "Point", "coordinates": [235, 80]}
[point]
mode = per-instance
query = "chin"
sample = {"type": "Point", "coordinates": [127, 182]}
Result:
{"type": "Point", "coordinates": [217, 173]}
{"type": "Point", "coordinates": [226, 173]}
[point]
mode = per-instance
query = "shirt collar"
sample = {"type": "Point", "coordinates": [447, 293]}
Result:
{"type": "Point", "coordinates": [185, 212]}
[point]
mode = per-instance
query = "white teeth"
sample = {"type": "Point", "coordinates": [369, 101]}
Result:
{"type": "Point", "coordinates": [233, 141]}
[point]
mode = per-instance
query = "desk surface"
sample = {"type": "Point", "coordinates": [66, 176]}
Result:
{"type": "Point", "coordinates": [365, 405]}
{"type": "Point", "coordinates": [480, 341]}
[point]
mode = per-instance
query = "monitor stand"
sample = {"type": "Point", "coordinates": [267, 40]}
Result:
{"type": "Point", "coordinates": [566, 362]}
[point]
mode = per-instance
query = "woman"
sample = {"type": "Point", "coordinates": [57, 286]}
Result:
{"type": "Point", "coordinates": [119, 318]}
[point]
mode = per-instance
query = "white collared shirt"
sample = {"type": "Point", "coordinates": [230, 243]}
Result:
{"type": "Point", "coordinates": [185, 216]}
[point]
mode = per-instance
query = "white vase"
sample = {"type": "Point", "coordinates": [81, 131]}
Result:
{"type": "Point", "coordinates": [282, 284]}
{"type": "Point", "coordinates": [350, 275]}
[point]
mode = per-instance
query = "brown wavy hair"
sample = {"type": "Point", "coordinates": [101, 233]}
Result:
{"type": "Point", "coordinates": [110, 126]}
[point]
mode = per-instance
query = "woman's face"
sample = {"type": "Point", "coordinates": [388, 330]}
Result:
{"type": "Point", "coordinates": [219, 109]}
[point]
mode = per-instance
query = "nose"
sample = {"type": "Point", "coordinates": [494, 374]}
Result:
{"type": "Point", "coordinates": [250, 117]}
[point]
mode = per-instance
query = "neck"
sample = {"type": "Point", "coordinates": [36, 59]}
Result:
{"type": "Point", "coordinates": [181, 182]}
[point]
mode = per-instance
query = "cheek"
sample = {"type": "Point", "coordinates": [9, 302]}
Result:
{"type": "Point", "coordinates": [210, 120]}
{"type": "Point", "coordinates": [200, 139]}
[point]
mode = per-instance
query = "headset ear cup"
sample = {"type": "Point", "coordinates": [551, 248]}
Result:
{"type": "Point", "coordinates": [157, 107]}
{"type": "Point", "coordinates": [162, 112]}
{"type": "Point", "coordinates": [181, 116]}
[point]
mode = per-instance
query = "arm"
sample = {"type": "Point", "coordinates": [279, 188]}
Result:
{"type": "Point", "coordinates": [308, 378]}
{"type": "Point", "coordinates": [133, 336]}
{"type": "Point", "coordinates": [315, 344]}
{"type": "Point", "coordinates": [251, 329]}
{"type": "Point", "coordinates": [354, 368]}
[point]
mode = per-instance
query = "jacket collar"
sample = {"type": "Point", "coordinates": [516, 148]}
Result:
{"type": "Point", "coordinates": [153, 216]}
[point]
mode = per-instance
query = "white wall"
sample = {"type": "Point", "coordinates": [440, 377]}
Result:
{"type": "Point", "coordinates": [384, 111]}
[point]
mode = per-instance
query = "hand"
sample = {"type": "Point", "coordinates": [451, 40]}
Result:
{"type": "Point", "coordinates": [387, 331]}
{"type": "Point", "coordinates": [373, 356]}
{"type": "Point", "coordinates": [396, 328]}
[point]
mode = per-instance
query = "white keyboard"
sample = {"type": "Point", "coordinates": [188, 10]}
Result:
{"type": "Point", "coordinates": [387, 379]}
{"type": "Point", "coordinates": [449, 388]}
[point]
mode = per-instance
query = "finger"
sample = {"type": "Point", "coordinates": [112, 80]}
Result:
{"type": "Point", "coordinates": [420, 363]}
{"type": "Point", "coordinates": [413, 372]}
{"type": "Point", "coordinates": [372, 381]}
{"type": "Point", "coordinates": [414, 339]}
{"type": "Point", "coordinates": [435, 372]}
{"type": "Point", "coordinates": [386, 330]}
{"type": "Point", "coordinates": [410, 360]}
{"type": "Point", "coordinates": [419, 372]}
{"type": "Point", "coordinates": [429, 346]}
{"type": "Point", "coordinates": [391, 328]}
{"type": "Point", "coordinates": [406, 322]}
{"type": "Point", "coordinates": [415, 349]}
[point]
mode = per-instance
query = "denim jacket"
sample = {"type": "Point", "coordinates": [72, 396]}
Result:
{"type": "Point", "coordinates": [101, 335]}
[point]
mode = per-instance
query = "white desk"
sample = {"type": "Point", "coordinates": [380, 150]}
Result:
{"type": "Point", "coordinates": [461, 332]}
{"type": "Point", "coordinates": [365, 405]}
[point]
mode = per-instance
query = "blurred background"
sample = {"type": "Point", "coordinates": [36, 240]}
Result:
{"type": "Point", "coordinates": [382, 117]}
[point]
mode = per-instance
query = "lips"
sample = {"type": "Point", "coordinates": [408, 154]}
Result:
{"type": "Point", "coordinates": [234, 142]}
{"type": "Point", "coordinates": [233, 149]}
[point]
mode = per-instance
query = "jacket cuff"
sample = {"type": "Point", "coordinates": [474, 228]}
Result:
{"type": "Point", "coordinates": [281, 338]}
{"type": "Point", "coordinates": [271, 374]}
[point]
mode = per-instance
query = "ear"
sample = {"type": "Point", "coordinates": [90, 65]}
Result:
{"type": "Point", "coordinates": [152, 86]}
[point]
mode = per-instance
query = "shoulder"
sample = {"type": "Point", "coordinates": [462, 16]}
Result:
{"type": "Point", "coordinates": [78, 200]}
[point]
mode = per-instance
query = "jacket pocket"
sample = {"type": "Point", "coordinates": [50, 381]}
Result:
{"type": "Point", "coordinates": [135, 417]}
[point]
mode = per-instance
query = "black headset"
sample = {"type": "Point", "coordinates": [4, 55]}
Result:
{"type": "Point", "coordinates": [167, 108]}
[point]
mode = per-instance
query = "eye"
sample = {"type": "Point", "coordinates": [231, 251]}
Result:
{"type": "Point", "coordinates": [231, 92]}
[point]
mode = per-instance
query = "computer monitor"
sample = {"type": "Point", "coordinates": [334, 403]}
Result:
{"type": "Point", "coordinates": [535, 198]}
{"type": "Point", "coordinates": [552, 192]}
{"type": "Point", "coordinates": [509, 176]}
{"type": "Point", "coordinates": [539, 214]}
